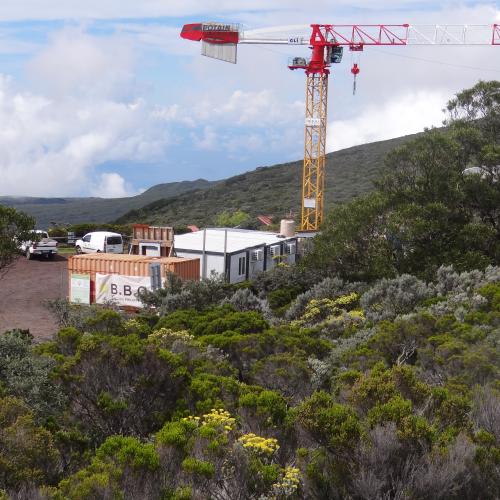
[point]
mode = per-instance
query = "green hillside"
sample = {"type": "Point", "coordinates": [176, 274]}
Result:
{"type": "Point", "coordinates": [271, 190]}
{"type": "Point", "coordinates": [77, 210]}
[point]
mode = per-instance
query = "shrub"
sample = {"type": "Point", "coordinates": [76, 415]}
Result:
{"type": "Point", "coordinates": [243, 300]}
{"type": "Point", "coordinates": [129, 451]}
{"type": "Point", "coordinates": [28, 376]}
{"type": "Point", "coordinates": [175, 433]}
{"type": "Point", "coordinates": [486, 411]}
{"type": "Point", "coordinates": [121, 384]}
{"type": "Point", "coordinates": [27, 452]}
{"type": "Point", "coordinates": [389, 298]}
{"type": "Point", "coordinates": [328, 288]}
{"type": "Point", "coordinates": [449, 281]}
{"type": "Point", "coordinates": [269, 405]}
{"type": "Point", "coordinates": [288, 374]}
{"type": "Point", "coordinates": [198, 467]}
{"type": "Point", "coordinates": [198, 295]}
{"type": "Point", "coordinates": [122, 467]}
{"type": "Point", "coordinates": [330, 424]}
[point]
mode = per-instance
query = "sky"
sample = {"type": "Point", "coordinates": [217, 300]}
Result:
{"type": "Point", "coordinates": [103, 98]}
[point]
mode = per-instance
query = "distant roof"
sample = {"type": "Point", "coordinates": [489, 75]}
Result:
{"type": "Point", "coordinates": [237, 239]}
{"type": "Point", "coordinates": [265, 219]}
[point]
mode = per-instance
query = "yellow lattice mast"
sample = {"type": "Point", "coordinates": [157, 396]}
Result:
{"type": "Point", "coordinates": [313, 176]}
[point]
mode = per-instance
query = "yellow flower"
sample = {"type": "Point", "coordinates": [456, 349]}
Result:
{"type": "Point", "coordinates": [266, 446]}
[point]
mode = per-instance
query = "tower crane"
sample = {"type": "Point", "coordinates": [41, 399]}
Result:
{"type": "Point", "coordinates": [327, 41]}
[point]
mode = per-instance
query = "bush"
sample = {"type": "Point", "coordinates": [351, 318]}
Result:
{"type": "Point", "coordinates": [330, 424]}
{"type": "Point", "coordinates": [243, 300]}
{"type": "Point", "coordinates": [449, 281]}
{"type": "Point", "coordinates": [28, 376]}
{"type": "Point", "coordinates": [328, 288]}
{"type": "Point", "coordinates": [15, 228]}
{"type": "Point", "coordinates": [27, 452]}
{"type": "Point", "coordinates": [389, 298]}
{"type": "Point", "coordinates": [197, 295]}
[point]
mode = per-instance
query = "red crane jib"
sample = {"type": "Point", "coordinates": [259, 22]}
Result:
{"type": "Point", "coordinates": [212, 33]}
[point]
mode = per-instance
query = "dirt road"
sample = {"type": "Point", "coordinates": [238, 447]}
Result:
{"type": "Point", "coordinates": [24, 288]}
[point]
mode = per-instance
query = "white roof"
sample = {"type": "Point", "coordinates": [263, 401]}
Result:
{"type": "Point", "coordinates": [237, 239]}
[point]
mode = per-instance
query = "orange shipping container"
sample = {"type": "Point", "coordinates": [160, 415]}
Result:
{"type": "Point", "coordinates": [129, 265]}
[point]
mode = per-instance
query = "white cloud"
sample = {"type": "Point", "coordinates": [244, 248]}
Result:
{"type": "Point", "coordinates": [50, 147]}
{"type": "Point", "coordinates": [248, 108]}
{"type": "Point", "coordinates": [112, 185]}
{"type": "Point", "coordinates": [406, 114]}
{"type": "Point", "coordinates": [52, 140]}
{"type": "Point", "coordinates": [75, 63]}
{"type": "Point", "coordinates": [208, 139]}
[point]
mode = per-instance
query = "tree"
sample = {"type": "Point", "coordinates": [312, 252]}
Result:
{"type": "Point", "coordinates": [352, 243]}
{"type": "Point", "coordinates": [235, 219]}
{"type": "Point", "coordinates": [15, 227]}
{"type": "Point", "coordinates": [479, 104]}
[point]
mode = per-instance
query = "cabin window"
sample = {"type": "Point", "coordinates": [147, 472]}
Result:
{"type": "Point", "coordinates": [242, 266]}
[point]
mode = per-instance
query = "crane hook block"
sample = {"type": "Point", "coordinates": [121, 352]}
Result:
{"type": "Point", "coordinates": [355, 72]}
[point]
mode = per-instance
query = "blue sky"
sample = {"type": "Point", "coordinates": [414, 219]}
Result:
{"type": "Point", "coordinates": [103, 98]}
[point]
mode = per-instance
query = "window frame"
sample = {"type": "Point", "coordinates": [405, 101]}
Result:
{"type": "Point", "coordinates": [242, 265]}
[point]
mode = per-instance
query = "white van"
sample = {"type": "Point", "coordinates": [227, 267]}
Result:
{"type": "Point", "coordinates": [100, 241]}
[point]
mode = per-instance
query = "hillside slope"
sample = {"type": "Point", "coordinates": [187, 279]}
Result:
{"type": "Point", "coordinates": [271, 190]}
{"type": "Point", "coordinates": [75, 210]}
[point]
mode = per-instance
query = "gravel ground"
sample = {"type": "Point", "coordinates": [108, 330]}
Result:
{"type": "Point", "coordinates": [24, 287]}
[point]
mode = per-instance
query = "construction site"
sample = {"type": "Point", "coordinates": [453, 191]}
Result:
{"type": "Point", "coordinates": [305, 306]}
{"type": "Point", "coordinates": [236, 254]}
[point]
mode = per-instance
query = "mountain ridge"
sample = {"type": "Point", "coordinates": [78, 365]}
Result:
{"type": "Point", "coordinates": [73, 210]}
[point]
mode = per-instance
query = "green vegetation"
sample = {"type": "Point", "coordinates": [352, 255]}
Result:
{"type": "Point", "coordinates": [370, 370]}
{"type": "Point", "coordinates": [235, 219]}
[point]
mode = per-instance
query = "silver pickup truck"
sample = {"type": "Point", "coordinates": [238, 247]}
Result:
{"type": "Point", "coordinates": [41, 245]}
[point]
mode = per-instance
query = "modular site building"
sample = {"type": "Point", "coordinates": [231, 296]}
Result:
{"type": "Point", "coordinates": [237, 254]}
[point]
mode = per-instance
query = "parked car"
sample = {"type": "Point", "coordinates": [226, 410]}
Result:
{"type": "Point", "coordinates": [40, 244]}
{"type": "Point", "coordinates": [100, 241]}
